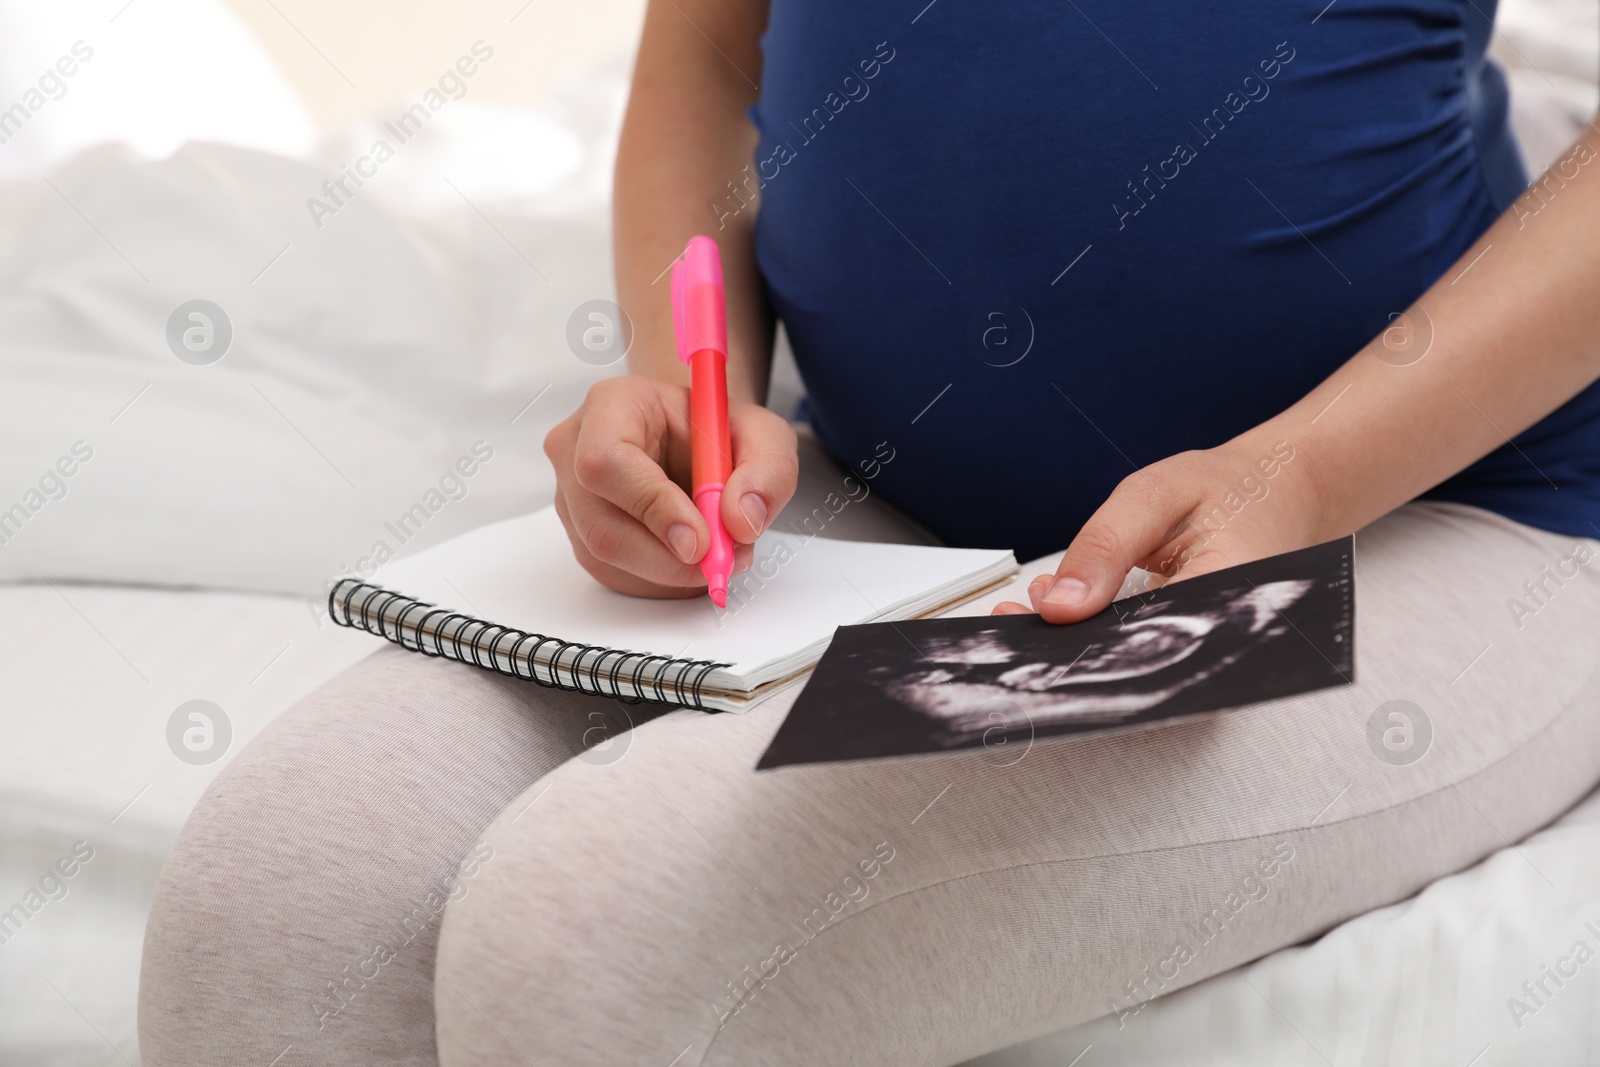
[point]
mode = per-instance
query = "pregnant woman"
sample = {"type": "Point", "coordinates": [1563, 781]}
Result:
{"type": "Point", "coordinates": [1087, 272]}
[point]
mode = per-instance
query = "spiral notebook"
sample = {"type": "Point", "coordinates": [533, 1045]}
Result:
{"type": "Point", "coordinates": [510, 598]}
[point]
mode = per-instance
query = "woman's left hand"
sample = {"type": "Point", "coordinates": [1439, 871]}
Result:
{"type": "Point", "coordinates": [1495, 344]}
{"type": "Point", "coordinates": [1186, 515]}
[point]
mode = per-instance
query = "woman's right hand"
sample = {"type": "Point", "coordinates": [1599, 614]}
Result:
{"type": "Point", "coordinates": [622, 474]}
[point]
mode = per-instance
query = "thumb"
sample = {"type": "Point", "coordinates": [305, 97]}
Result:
{"type": "Point", "coordinates": [1136, 520]}
{"type": "Point", "coordinates": [766, 469]}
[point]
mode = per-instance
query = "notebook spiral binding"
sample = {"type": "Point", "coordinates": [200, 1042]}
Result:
{"type": "Point", "coordinates": [364, 606]}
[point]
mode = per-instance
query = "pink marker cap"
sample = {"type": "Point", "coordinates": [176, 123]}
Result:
{"type": "Point", "coordinates": [698, 299]}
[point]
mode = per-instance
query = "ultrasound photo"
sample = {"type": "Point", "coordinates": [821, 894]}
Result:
{"type": "Point", "coordinates": [1260, 631]}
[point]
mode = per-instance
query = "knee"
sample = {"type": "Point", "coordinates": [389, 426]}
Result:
{"type": "Point", "coordinates": [548, 956]}
{"type": "Point", "coordinates": [206, 943]}
{"type": "Point", "coordinates": [228, 955]}
{"type": "Point", "coordinates": [308, 854]}
{"type": "Point", "coordinates": [632, 910]}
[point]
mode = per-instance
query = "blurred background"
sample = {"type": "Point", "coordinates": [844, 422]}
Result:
{"type": "Point", "coordinates": [244, 351]}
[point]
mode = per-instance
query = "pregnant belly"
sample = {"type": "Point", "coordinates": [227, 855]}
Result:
{"type": "Point", "coordinates": [1030, 271]}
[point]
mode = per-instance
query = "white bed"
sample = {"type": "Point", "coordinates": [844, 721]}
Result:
{"type": "Point", "coordinates": [169, 584]}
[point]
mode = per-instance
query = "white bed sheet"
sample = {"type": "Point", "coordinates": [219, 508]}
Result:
{"type": "Point", "coordinates": [92, 675]}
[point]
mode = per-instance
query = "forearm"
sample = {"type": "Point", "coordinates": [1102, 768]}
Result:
{"type": "Point", "coordinates": [1510, 333]}
{"type": "Point", "coordinates": [684, 138]}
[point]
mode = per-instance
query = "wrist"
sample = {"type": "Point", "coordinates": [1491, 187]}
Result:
{"type": "Point", "coordinates": [1276, 468]}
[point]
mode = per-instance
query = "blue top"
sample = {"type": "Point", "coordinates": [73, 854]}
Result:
{"type": "Point", "coordinates": [1033, 247]}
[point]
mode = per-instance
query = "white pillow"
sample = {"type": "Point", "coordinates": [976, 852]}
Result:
{"type": "Point", "coordinates": [369, 359]}
{"type": "Point", "coordinates": [151, 75]}
{"type": "Point", "coordinates": [1550, 50]}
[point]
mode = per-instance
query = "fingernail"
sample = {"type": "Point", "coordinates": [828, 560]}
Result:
{"type": "Point", "coordinates": [755, 511]}
{"type": "Point", "coordinates": [683, 541]}
{"type": "Point", "coordinates": [1038, 588]}
{"type": "Point", "coordinates": [1067, 593]}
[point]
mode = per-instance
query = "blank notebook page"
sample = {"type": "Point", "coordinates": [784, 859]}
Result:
{"type": "Point", "coordinates": [781, 613]}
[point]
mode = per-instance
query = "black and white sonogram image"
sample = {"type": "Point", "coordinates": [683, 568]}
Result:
{"type": "Point", "coordinates": [1264, 630]}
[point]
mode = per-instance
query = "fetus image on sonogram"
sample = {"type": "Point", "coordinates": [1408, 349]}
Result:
{"type": "Point", "coordinates": [998, 680]}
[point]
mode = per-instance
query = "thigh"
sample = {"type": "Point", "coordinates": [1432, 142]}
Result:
{"type": "Point", "coordinates": [298, 914]}
{"type": "Point", "coordinates": [920, 911]}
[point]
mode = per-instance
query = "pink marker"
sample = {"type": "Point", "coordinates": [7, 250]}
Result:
{"type": "Point", "coordinates": [700, 317]}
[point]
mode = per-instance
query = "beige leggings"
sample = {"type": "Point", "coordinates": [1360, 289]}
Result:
{"type": "Point", "coordinates": [654, 901]}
